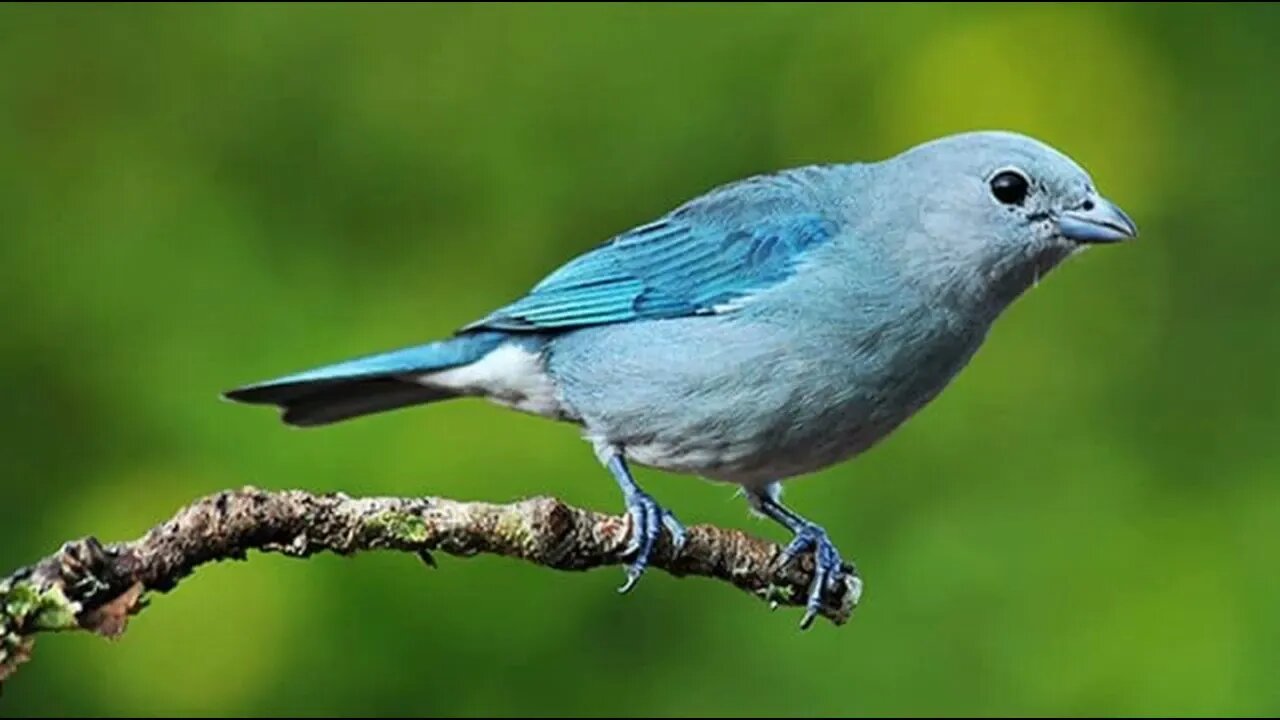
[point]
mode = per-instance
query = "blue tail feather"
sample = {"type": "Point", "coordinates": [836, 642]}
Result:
{"type": "Point", "coordinates": [366, 385]}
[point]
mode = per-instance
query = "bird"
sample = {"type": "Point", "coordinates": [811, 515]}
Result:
{"type": "Point", "coordinates": [767, 329]}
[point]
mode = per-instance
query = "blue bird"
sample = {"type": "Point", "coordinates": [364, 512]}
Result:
{"type": "Point", "coordinates": [767, 329]}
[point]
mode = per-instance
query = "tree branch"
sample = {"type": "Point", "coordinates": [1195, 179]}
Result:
{"type": "Point", "coordinates": [89, 586]}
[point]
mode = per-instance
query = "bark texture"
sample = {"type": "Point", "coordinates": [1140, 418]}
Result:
{"type": "Point", "coordinates": [87, 585]}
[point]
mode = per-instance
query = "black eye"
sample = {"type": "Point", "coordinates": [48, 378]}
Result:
{"type": "Point", "coordinates": [1009, 187]}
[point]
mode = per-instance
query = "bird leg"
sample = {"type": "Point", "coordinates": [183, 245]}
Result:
{"type": "Point", "coordinates": [829, 568]}
{"type": "Point", "coordinates": [647, 519]}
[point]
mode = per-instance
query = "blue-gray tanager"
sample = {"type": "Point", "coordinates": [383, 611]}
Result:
{"type": "Point", "coordinates": [764, 330]}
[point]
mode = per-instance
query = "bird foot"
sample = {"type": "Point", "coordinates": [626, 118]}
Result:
{"type": "Point", "coordinates": [647, 520]}
{"type": "Point", "coordinates": [828, 567]}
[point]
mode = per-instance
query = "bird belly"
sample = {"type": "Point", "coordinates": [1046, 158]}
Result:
{"type": "Point", "coordinates": [748, 403]}
{"type": "Point", "coordinates": [753, 459]}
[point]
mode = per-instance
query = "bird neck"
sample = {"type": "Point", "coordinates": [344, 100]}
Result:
{"type": "Point", "coordinates": [1008, 276]}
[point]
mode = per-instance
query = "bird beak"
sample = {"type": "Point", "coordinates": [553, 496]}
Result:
{"type": "Point", "coordinates": [1098, 220]}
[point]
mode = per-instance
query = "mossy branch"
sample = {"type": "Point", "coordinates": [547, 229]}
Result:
{"type": "Point", "coordinates": [90, 586]}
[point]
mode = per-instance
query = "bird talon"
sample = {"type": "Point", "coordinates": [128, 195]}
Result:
{"type": "Point", "coordinates": [647, 519]}
{"type": "Point", "coordinates": [809, 614]}
{"type": "Point", "coordinates": [828, 567]}
{"type": "Point", "coordinates": [635, 530]}
{"type": "Point", "coordinates": [677, 532]}
{"type": "Point", "coordinates": [633, 576]}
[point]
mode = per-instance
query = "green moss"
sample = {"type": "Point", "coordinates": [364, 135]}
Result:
{"type": "Point", "coordinates": [402, 526]}
{"type": "Point", "coordinates": [25, 606]}
{"type": "Point", "coordinates": [24, 610]}
{"type": "Point", "coordinates": [778, 593]}
{"type": "Point", "coordinates": [511, 527]}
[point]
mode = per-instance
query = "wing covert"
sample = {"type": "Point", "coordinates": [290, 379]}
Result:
{"type": "Point", "coordinates": [696, 260]}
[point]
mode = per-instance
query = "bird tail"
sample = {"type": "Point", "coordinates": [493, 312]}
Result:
{"type": "Point", "coordinates": [367, 385]}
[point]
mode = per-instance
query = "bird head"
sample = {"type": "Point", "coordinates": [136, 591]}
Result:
{"type": "Point", "coordinates": [998, 210]}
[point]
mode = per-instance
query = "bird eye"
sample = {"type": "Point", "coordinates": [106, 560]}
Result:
{"type": "Point", "coordinates": [1009, 187]}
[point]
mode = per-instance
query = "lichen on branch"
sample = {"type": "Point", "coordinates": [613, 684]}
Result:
{"type": "Point", "coordinates": [90, 586]}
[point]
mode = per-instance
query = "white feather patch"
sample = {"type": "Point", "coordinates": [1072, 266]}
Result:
{"type": "Point", "coordinates": [509, 375]}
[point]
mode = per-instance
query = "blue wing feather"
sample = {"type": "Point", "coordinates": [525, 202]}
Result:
{"type": "Point", "coordinates": [719, 248]}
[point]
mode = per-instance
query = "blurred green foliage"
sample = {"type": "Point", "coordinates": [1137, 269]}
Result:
{"type": "Point", "coordinates": [198, 196]}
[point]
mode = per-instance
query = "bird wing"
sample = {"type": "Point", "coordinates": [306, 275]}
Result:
{"type": "Point", "coordinates": [699, 259]}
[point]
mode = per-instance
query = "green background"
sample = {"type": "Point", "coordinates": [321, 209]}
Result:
{"type": "Point", "coordinates": [1086, 522]}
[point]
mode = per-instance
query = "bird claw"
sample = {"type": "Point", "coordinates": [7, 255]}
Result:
{"type": "Point", "coordinates": [647, 519]}
{"type": "Point", "coordinates": [828, 567]}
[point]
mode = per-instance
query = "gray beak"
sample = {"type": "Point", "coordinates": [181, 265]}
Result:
{"type": "Point", "coordinates": [1098, 220]}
